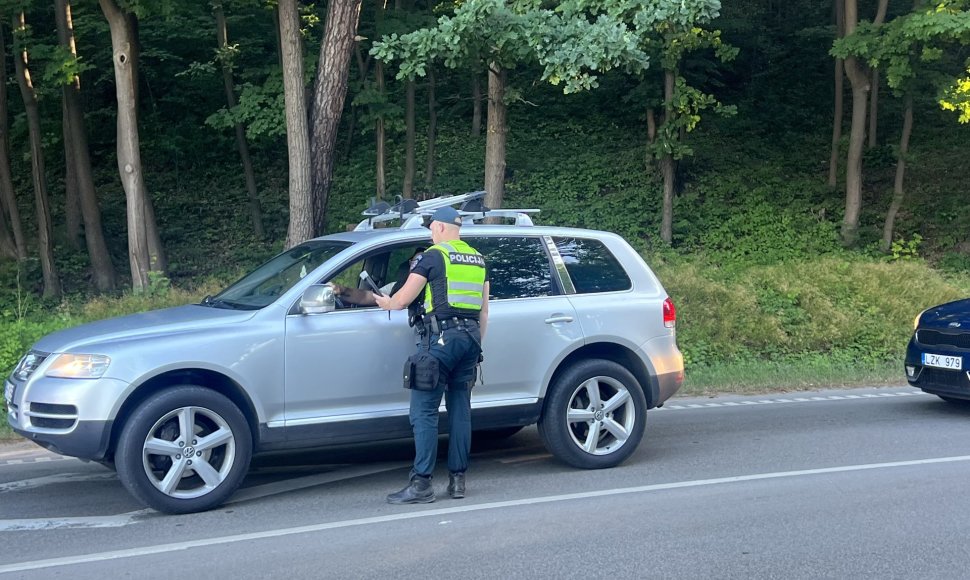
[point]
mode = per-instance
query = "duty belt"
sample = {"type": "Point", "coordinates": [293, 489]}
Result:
{"type": "Point", "coordinates": [436, 325]}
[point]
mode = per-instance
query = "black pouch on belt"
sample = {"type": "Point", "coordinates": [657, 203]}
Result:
{"type": "Point", "coordinates": [421, 372]}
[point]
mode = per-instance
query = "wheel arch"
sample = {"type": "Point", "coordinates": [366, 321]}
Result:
{"type": "Point", "coordinates": [618, 353]}
{"type": "Point", "coordinates": [206, 378]}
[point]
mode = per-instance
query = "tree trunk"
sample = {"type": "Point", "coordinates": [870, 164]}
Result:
{"type": "Point", "coordinates": [839, 96]}
{"type": "Point", "coordinates": [297, 130]}
{"type": "Point", "coordinates": [129, 154]}
{"type": "Point", "coordinates": [651, 138]}
{"type": "Point", "coordinates": [329, 93]}
{"type": "Point", "coordinates": [380, 137]}
{"type": "Point", "coordinates": [667, 162]}
{"type": "Point", "coordinates": [874, 85]}
{"type": "Point", "coordinates": [8, 198]}
{"type": "Point", "coordinates": [898, 191]}
{"type": "Point", "coordinates": [495, 138]}
{"type": "Point", "coordinates": [72, 206]}
{"type": "Point", "coordinates": [52, 285]}
{"type": "Point", "coordinates": [873, 108]}
{"type": "Point", "coordinates": [102, 270]}
{"type": "Point", "coordinates": [476, 106]}
{"type": "Point", "coordinates": [859, 79]}
{"type": "Point", "coordinates": [407, 191]}
{"type": "Point", "coordinates": [432, 131]}
{"type": "Point", "coordinates": [222, 37]}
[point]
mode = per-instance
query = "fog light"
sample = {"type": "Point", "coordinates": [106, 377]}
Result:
{"type": "Point", "coordinates": [910, 371]}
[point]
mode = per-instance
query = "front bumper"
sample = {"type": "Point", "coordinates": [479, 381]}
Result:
{"type": "Point", "coordinates": [951, 383]}
{"type": "Point", "coordinates": [68, 416]}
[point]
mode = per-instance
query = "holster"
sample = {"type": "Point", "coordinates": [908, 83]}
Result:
{"type": "Point", "coordinates": [421, 372]}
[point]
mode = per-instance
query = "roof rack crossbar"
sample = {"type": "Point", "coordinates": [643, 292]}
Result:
{"type": "Point", "coordinates": [412, 213]}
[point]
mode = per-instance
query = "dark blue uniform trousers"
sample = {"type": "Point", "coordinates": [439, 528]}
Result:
{"type": "Point", "coordinates": [458, 362]}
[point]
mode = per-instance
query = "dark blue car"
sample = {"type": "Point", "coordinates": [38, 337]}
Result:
{"type": "Point", "coordinates": [938, 355]}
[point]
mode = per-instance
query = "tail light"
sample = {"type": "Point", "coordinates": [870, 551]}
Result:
{"type": "Point", "coordinates": [670, 313]}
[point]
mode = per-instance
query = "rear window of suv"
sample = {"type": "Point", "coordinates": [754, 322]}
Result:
{"type": "Point", "coordinates": [518, 267]}
{"type": "Point", "coordinates": [591, 266]}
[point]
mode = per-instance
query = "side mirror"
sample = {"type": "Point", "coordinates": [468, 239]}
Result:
{"type": "Point", "coordinates": [318, 299]}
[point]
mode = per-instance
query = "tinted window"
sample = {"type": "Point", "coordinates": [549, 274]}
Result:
{"type": "Point", "coordinates": [591, 266]}
{"type": "Point", "coordinates": [518, 267]}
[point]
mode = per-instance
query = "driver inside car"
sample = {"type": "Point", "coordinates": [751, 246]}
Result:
{"type": "Point", "coordinates": [362, 297]}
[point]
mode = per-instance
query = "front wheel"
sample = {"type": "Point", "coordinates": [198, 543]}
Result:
{"type": "Point", "coordinates": [186, 449]}
{"type": "Point", "coordinates": [594, 416]}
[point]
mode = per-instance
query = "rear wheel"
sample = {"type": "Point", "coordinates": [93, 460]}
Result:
{"type": "Point", "coordinates": [184, 450]}
{"type": "Point", "coordinates": [594, 416]}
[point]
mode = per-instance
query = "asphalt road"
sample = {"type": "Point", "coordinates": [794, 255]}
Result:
{"type": "Point", "coordinates": [831, 484]}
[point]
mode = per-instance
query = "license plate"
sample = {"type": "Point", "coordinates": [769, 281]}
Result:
{"type": "Point", "coordinates": [8, 393]}
{"type": "Point", "coordinates": [953, 363]}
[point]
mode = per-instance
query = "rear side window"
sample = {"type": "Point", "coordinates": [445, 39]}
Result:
{"type": "Point", "coordinates": [518, 267]}
{"type": "Point", "coordinates": [591, 266]}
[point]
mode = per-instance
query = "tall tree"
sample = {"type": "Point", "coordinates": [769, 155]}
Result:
{"type": "Point", "coordinates": [103, 272]}
{"type": "Point", "coordinates": [329, 93]}
{"type": "Point", "coordinates": [124, 48]}
{"type": "Point", "coordinates": [499, 35]}
{"type": "Point", "coordinates": [8, 198]}
{"type": "Point", "coordinates": [45, 242]}
{"type": "Point", "coordinates": [874, 91]}
{"type": "Point", "coordinates": [72, 205]}
{"type": "Point", "coordinates": [225, 59]}
{"type": "Point", "coordinates": [407, 189]}
{"type": "Point", "coordinates": [837, 117]}
{"type": "Point", "coordinates": [859, 79]}
{"type": "Point", "coordinates": [297, 130]}
{"type": "Point", "coordinates": [432, 131]}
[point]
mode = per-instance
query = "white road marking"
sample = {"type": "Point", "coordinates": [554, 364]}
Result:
{"type": "Point", "coordinates": [412, 515]}
{"type": "Point", "coordinates": [672, 405]}
{"type": "Point", "coordinates": [41, 524]}
{"type": "Point", "coordinates": [54, 479]}
{"type": "Point", "coordinates": [116, 521]}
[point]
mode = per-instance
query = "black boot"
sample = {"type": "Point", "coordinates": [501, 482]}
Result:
{"type": "Point", "coordinates": [419, 490]}
{"type": "Point", "coordinates": [456, 485]}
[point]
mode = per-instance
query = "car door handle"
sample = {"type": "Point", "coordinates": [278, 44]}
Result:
{"type": "Point", "coordinates": [558, 318]}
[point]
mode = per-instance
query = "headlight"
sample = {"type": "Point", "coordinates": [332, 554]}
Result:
{"type": "Point", "coordinates": [79, 366]}
{"type": "Point", "coordinates": [916, 320]}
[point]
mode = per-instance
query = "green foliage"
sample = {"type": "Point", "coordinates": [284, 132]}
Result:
{"type": "Point", "coordinates": [830, 307]}
{"type": "Point", "coordinates": [906, 249]}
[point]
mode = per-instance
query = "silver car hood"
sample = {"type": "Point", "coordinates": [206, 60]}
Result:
{"type": "Point", "coordinates": [168, 321]}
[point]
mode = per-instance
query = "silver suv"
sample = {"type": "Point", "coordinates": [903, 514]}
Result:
{"type": "Point", "coordinates": [581, 340]}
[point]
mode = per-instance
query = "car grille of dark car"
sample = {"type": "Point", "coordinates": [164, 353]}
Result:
{"type": "Point", "coordinates": [937, 338]}
{"type": "Point", "coordinates": [50, 416]}
{"type": "Point", "coordinates": [944, 378]}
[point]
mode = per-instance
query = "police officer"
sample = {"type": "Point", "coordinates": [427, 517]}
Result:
{"type": "Point", "coordinates": [453, 277]}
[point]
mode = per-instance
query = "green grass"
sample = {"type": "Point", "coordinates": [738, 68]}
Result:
{"type": "Point", "coordinates": [6, 433]}
{"type": "Point", "coordinates": [762, 377]}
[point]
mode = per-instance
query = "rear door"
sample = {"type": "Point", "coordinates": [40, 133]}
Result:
{"type": "Point", "coordinates": [531, 323]}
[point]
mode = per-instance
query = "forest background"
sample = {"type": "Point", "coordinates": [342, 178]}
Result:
{"type": "Point", "coordinates": [795, 171]}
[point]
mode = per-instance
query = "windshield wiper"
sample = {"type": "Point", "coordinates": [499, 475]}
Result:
{"type": "Point", "coordinates": [221, 303]}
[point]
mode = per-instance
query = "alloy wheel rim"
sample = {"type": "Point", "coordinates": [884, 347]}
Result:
{"type": "Point", "coordinates": [188, 452]}
{"type": "Point", "coordinates": [600, 416]}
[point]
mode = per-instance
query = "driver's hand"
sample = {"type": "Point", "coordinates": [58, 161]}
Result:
{"type": "Point", "coordinates": [338, 290]}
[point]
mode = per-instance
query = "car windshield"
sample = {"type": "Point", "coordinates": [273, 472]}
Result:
{"type": "Point", "coordinates": [265, 284]}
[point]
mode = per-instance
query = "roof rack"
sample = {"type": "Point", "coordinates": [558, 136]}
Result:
{"type": "Point", "coordinates": [412, 214]}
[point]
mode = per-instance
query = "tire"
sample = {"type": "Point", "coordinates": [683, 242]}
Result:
{"type": "Point", "coordinates": [151, 457]}
{"type": "Point", "coordinates": [496, 434]}
{"type": "Point", "coordinates": [569, 417]}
